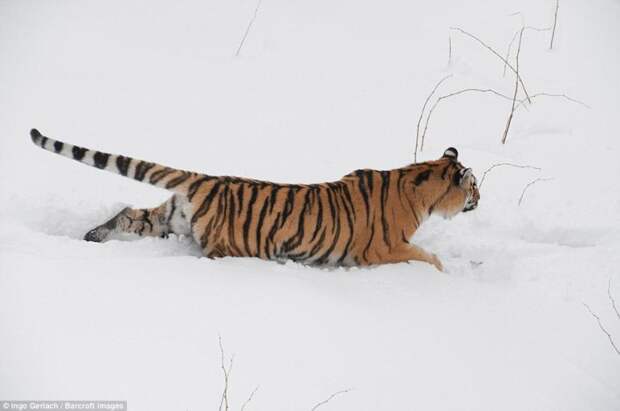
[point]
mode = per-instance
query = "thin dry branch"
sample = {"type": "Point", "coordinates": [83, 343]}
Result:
{"type": "Point", "coordinates": [484, 175]}
{"type": "Point", "coordinates": [449, 50]}
{"type": "Point", "coordinates": [496, 54]}
{"type": "Point", "coordinates": [600, 324]}
{"type": "Point", "coordinates": [417, 134]}
{"type": "Point", "coordinates": [514, 38]}
{"type": "Point", "coordinates": [564, 96]}
{"type": "Point", "coordinates": [331, 397]}
{"type": "Point", "coordinates": [514, 97]}
{"type": "Point", "coordinates": [555, 23]}
{"type": "Point", "coordinates": [249, 398]}
{"type": "Point", "coordinates": [247, 29]}
{"type": "Point", "coordinates": [612, 300]}
{"type": "Point", "coordinates": [531, 183]}
{"type": "Point", "coordinates": [224, 400]}
{"type": "Point", "coordinates": [456, 93]}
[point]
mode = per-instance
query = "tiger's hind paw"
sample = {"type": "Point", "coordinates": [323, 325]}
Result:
{"type": "Point", "coordinates": [96, 235]}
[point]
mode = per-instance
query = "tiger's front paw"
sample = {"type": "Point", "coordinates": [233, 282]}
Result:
{"type": "Point", "coordinates": [436, 262]}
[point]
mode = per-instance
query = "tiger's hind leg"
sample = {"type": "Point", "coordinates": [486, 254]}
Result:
{"type": "Point", "coordinates": [170, 217]}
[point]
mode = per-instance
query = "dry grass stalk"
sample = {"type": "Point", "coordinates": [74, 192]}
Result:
{"type": "Point", "coordinates": [456, 93]}
{"type": "Point", "coordinates": [612, 300]}
{"type": "Point", "coordinates": [564, 96]}
{"type": "Point", "coordinates": [514, 97]}
{"type": "Point", "coordinates": [494, 166]}
{"type": "Point", "coordinates": [224, 400]}
{"type": "Point", "coordinates": [514, 38]}
{"type": "Point", "coordinates": [531, 183]}
{"type": "Point", "coordinates": [249, 399]}
{"type": "Point", "coordinates": [449, 50]}
{"type": "Point", "coordinates": [555, 23]}
{"type": "Point", "coordinates": [247, 29]}
{"type": "Point", "coordinates": [600, 325]}
{"type": "Point", "coordinates": [331, 397]}
{"type": "Point", "coordinates": [417, 134]}
{"type": "Point", "coordinates": [497, 55]}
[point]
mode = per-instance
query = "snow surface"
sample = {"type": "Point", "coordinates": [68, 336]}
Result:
{"type": "Point", "coordinates": [320, 88]}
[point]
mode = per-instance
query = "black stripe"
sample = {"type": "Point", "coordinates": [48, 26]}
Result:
{"type": "Point", "coordinates": [231, 224]}
{"type": "Point", "coordinates": [319, 218]}
{"type": "Point", "coordinates": [44, 142]}
{"type": "Point", "coordinates": [273, 195]}
{"type": "Point", "coordinates": [78, 153]}
{"type": "Point", "coordinates": [324, 257]}
{"type": "Point", "coordinates": [288, 204]}
{"type": "Point", "coordinates": [364, 193]}
{"type": "Point", "coordinates": [261, 220]}
{"type": "Point", "coordinates": [240, 196]}
{"type": "Point", "coordinates": [347, 196]}
{"type": "Point", "coordinates": [178, 180]}
{"type": "Point", "coordinates": [351, 232]}
{"type": "Point", "coordinates": [370, 180]}
{"type": "Point", "coordinates": [332, 209]}
{"type": "Point", "coordinates": [318, 245]}
{"type": "Point", "coordinates": [122, 164]}
{"type": "Point", "coordinates": [101, 159]}
{"type": "Point", "coordinates": [248, 218]}
{"type": "Point", "coordinates": [272, 233]}
{"type": "Point", "coordinates": [422, 177]}
{"type": "Point", "coordinates": [372, 235]}
{"type": "Point", "coordinates": [58, 146]}
{"type": "Point", "coordinates": [445, 171]}
{"type": "Point", "coordinates": [193, 188]}
{"type": "Point", "coordinates": [172, 209]}
{"type": "Point", "coordinates": [161, 174]}
{"type": "Point", "coordinates": [432, 207]}
{"type": "Point", "coordinates": [141, 169]}
{"type": "Point", "coordinates": [296, 239]}
{"type": "Point", "coordinates": [206, 203]}
{"type": "Point", "coordinates": [385, 187]}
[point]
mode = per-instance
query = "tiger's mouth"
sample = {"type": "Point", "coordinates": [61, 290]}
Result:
{"type": "Point", "coordinates": [470, 207]}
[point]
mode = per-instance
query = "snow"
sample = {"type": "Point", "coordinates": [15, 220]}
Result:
{"type": "Point", "coordinates": [320, 88]}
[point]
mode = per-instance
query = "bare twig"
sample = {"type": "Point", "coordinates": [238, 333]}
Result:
{"type": "Point", "coordinates": [449, 50]}
{"type": "Point", "coordinates": [531, 183]}
{"type": "Point", "coordinates": [612, 300]}
{"type": "Point", "coordinates": [514, 97]}
{"type": "Point", "coordinates": [417, 134]}
{"type": "Point", "coordinates": [564, 96]}
{"type": "Point", "coordinates": [249, 399]}
{"type": "Point", "coordinates": [555, 23]}
{"type": "Point", "coordinates": [484, 175]}
{"type": "Point", "coordinates": [456, 93]}
{"type": "Point", "coordinates": [330, 398]}
{"type": "Point", "coordinates": [514, 38]}
{"type": "Point", "coordinates": [224, 399]}
{"type": "Point", "coordinates": [497, 55]}
{"type": "Point", "coordinates": [600, 324]}
{"type": "Point", "coordinates": [247, 29]}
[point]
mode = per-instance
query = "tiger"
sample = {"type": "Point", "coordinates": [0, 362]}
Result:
{"type": "Point", "coordinates": [366, 218]}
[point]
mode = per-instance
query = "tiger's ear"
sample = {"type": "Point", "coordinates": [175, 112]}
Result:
{"type": "Point", "coordinates": [461, 175]}
{"type": "Point", "coordinates": [451, 153]}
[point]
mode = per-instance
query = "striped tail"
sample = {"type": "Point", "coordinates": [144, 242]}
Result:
{"type": "Point", "coordinates": [147, 172]}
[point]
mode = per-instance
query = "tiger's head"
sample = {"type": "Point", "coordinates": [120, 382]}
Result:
{"type": "Point", "coordinates": [452, 188]}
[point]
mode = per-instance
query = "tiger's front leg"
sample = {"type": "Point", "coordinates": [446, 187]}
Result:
{"type": "Point", "coordinates": [409, 252]}
{"type": "Point", "coordinates": [153, 222]}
